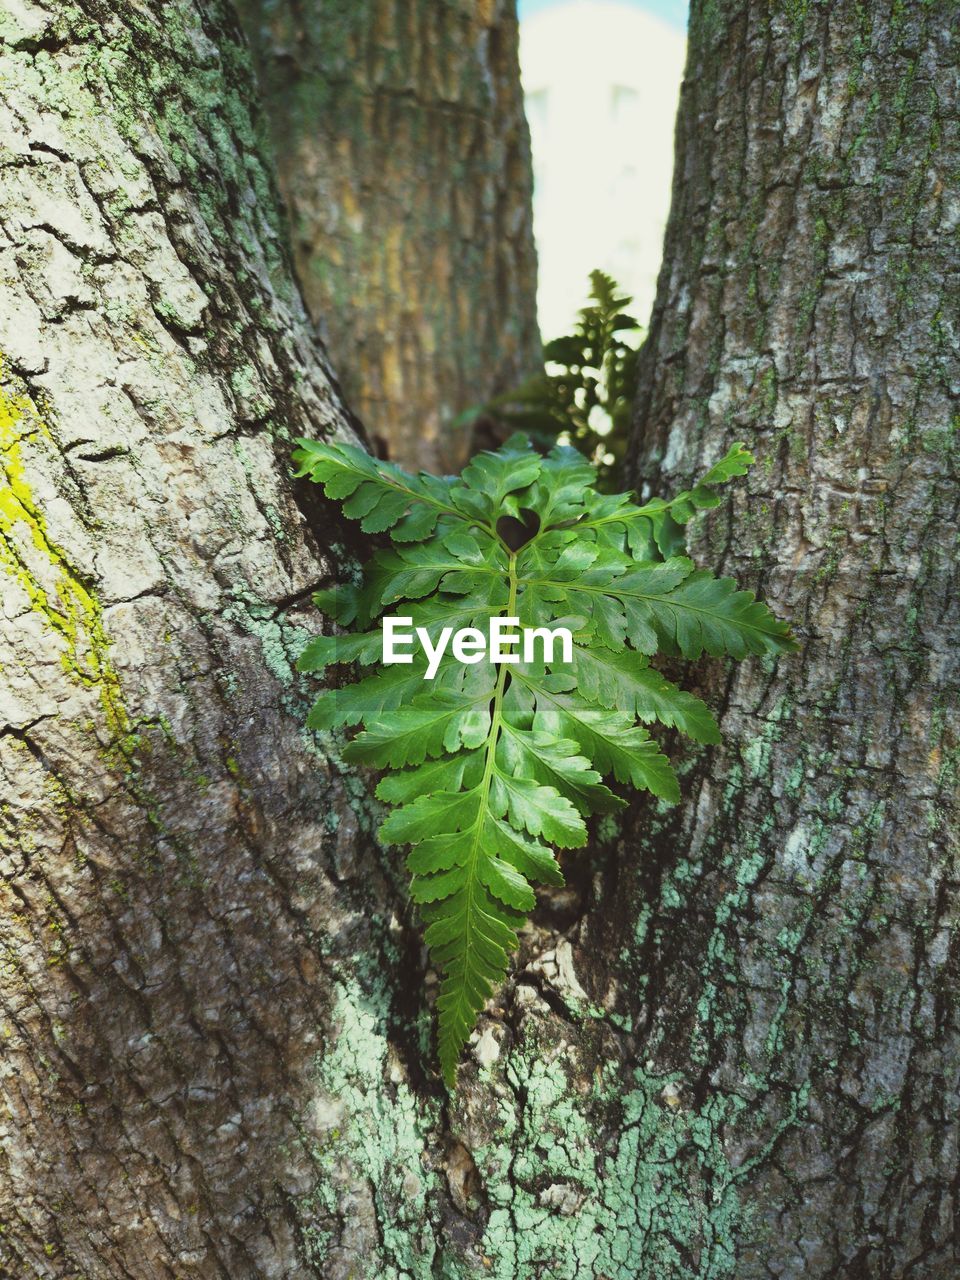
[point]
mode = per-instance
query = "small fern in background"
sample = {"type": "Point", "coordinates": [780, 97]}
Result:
{"type": "Point", "coordinates": [488, 767]}
{"type": "Point", "coordinates": [584, 395]}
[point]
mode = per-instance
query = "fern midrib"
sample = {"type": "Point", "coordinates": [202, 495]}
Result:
{"type": "Point", "coordinates": [496, 725]}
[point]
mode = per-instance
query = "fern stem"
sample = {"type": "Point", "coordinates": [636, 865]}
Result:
{"type": "Point", "coordinates": [496, 716]}
{"type": "Point", "coordinates": [496, 724]}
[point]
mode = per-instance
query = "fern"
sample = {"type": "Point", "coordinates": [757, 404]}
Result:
{"type": "Point", "coordinates": [492, 767]}
{"type": "Point", "coordinates": [584, 393]}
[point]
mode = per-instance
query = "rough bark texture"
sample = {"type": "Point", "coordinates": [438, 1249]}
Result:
{"type": "Point", "coordinates": [168, 834]}
{"type": "Point", "coordinates": [217, 1055]}
{"type": "Point", "coordinates": [403, 153]}
{"type": "Point", "coordinates": [799, 953]}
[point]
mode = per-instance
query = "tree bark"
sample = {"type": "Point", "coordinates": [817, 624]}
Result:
{"type": "Point", "coordinates": [404, 157]}
{"type": "Point", "coordinates": [178, 855]}
{"type": "Point", "coordinates": [218, 1060]}
{"type": "Point", "coordinates": [795, 920]}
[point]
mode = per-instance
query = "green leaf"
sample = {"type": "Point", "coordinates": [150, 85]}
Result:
{"type": "Point", "coordinates": [564, 480]}
{"type": "Point", "coordinates": [341, 603]}
{"type": "Point", "coordinates": [458, 564]}
{"type": "Point", "coordinates": [419, 522]}
{"type": "Point", "coordinates": [377, 493]}
{"type": "Point", "coordinates": [531, 858]}
{"type": "Point", "coordinates": [470, 935]}
{"type": "Point", "coordinates": [446, 811]}
{"type": "Point", "coordinates": [424, 728]}
{"type": "Point", "coordinates": [448, 773]}
{"type": "Point", "coordinates": [539, 810]}
{"type": "Point", "coordinates": [609, 739]}
{"type": "Point", "coordinates": [626, 681]}
{"type": "Point", "coordinates": [490, 768]}
{"type": "Point", "coordinates": [369, 698]}
{"type": "Point", "coordinates": [323, 651]}
{"type": "Point", "coordinates": [490, 482]}
{"type": "Point", "coordinates": [707, 614]}
{"type": "Point", "coordinates": [556, 762]}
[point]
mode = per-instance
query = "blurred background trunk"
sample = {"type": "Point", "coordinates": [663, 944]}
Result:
{"type": "Point", "coordinates": [403, 153]}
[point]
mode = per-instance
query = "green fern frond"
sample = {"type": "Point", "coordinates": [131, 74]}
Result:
{"type": "Point", "coordinates": [491, 766]}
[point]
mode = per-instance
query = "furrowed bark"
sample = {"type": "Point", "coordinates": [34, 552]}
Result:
{"type": "Point", "coordinates": [794, 921]}
{"type": "Point", "coordinates": [218, 1061]}
{"type": "Point", "coordinates": [403, 154]}
{"type": "Point", "coordinates": [179, 855]}
{"type": "Point", "coordinates": [737, 1054]}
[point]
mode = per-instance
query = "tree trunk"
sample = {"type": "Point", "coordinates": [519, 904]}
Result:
{"type": "Point", "coordinates": [795, 921]}
{"type": "Point", "coordinates": [179, 857]}
{"type": "Point", "coordinates": [404, 156]}
{"type": "Point", "coordinates": [218, 1061]}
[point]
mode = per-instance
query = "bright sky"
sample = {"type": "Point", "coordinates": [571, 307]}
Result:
{"type": "Point", "coordinates": [601, 79]}
{"type": "Point", "coordinates": [672, 11]}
